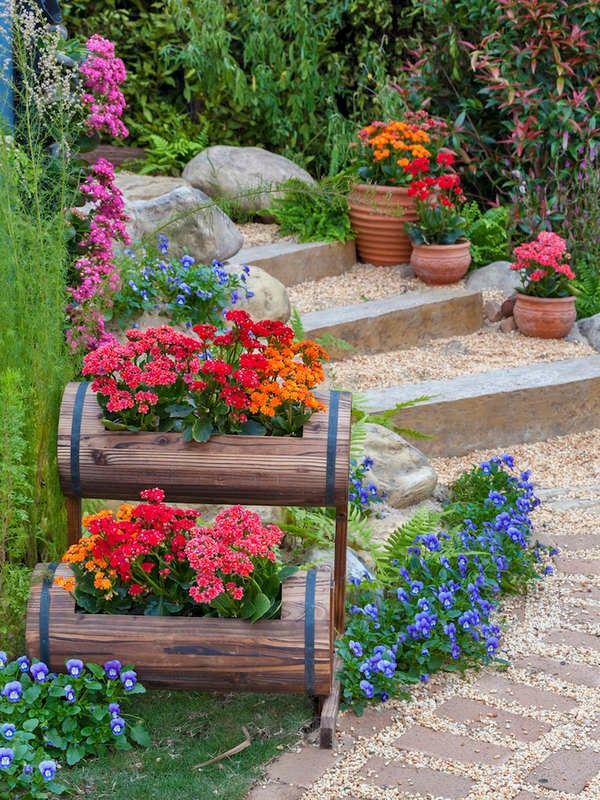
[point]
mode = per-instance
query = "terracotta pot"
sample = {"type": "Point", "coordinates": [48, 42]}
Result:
{"type": "Point", "coordinates": [440, 264]}
{"type": "Point", "coordinates": [544, 317]}
{"type": "Point", "coordinates": [377, 215]}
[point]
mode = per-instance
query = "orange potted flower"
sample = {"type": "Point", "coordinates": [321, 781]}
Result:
{"type": "Point", "coordinates": [390, 156]}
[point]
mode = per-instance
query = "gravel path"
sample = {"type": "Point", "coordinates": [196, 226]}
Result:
{"type": "Point", "coordinates": [530, 730]}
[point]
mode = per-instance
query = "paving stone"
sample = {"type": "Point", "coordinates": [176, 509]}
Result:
{"type": "Point", "coordinates": [567, 671]}
{"type": "Point", "coordinates": [527, 796]}
{"type": "Point", "coordinates": [370, 723]}
{"type": "Point", "coordinates": [452, 747]}
{"type": "Point", "coordinates": [568, 544]}
{"type": "Point", "coordinates": [416, 780]}
{"type": "Point", "coordinates": [479, 716]}
{"type": "Point", "coordinates": [586, 592]}
{"type": "Point", "coordinates": [589, 615]}
{"type": "Point", "coordinates": [572, 639]}
{"type": "Point", "coordinates": [281, 791]}
{"type": "Point", "coordinates": [566, 770]}
{"type": "Point", "coordinates": [504, 689]}
{"type": "Point", "coordinates": [577, 566]}
{"type": "Point", "coordinates": [302, 769]}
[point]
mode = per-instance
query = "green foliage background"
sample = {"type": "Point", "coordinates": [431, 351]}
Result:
{"type": "Point", "coordinates": [294, 76]}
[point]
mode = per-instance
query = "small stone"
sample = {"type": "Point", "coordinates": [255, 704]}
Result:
{"type": "Point", "coordinates": [508, 325]}
{"type": "Point", "coordinates": [492, 311]}
{"type": "Point", "coordinates": [508, 306]}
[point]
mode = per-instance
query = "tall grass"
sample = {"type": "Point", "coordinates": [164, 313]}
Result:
{"type": "Point", "coordinates": [36, 186]}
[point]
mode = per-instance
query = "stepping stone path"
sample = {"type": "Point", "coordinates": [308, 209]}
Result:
{"type": "Point", "coordinates": [527, 732]}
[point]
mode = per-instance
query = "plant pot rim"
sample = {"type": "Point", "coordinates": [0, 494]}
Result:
{"type": "Point", "coordinates": [535, 297]}
{"type": "Point", "coordinates": [458, 243]}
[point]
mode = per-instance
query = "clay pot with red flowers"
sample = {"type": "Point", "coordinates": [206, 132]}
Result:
{"type": "Point", "coordinates": [545, 304]}
{"type": "Point", "coordinates": [441, 252]}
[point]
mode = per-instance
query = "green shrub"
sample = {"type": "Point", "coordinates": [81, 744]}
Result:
{"type": "Point", "coordinates": [438, 580]}
{"type": "Point", "coordinates": [294, 76]}
{"type": "Point", "coordinates": [488, 234]}
{"type": "Point", "coordinates": [313, 213]}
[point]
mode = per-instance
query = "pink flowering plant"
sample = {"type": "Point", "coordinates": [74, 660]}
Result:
{"type": "Point", "coordinates": [542, 265]}
{"type": "Point", "coordinates": [154, 559]}
{"type": "Point", "coordinates": [94, 232]}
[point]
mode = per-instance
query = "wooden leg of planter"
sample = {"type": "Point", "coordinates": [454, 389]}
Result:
{"type": "Point", "coordinates": [329, 711]}
{"type": "Point", "coordinates": [339, 569]}
{"type": "Point", "coordinates": [73, 505]}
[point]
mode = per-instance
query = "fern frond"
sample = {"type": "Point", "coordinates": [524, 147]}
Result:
{"type": "Point", "coordinates": [423, 522]}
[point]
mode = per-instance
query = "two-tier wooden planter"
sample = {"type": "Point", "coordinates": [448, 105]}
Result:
{"type": "Point", "coordinates": [290, 654]}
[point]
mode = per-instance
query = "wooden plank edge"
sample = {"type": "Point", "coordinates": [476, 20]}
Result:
{"type": "Point", "coordinates": [330, 709]}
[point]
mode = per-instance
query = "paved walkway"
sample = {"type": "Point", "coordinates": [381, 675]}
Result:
{"type": "Point", "coordinates": [529, 732]}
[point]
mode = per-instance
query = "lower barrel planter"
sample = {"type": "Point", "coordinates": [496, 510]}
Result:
{"type": "Point", "coordinates": [293, 654]}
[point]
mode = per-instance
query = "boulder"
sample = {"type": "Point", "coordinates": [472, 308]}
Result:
{"type": "Point", "coordinates": [269, 298]}
{"type": "Point", "coordinates": [385, 522]}
{"type": "Point", "coordinates": [146, 187]}
{"type": "Point", "coordinates": [495, 276]}
{"type": "Point", "coordinates": [590, 329]}
{"type": "Point", "coordinates": [246, 175]}
{"type": "Point", "coordinates": [356, 568]}
{"type": "Point", "coordinates": [399, 469]}
{"type": "Point", "coordinates": [187, 216]}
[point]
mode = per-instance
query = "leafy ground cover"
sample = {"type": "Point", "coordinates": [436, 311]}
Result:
{"type": "Point", "coordinates": [187, 729]}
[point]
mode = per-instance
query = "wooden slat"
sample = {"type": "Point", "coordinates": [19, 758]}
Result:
{"type": "Point", "coordinates": [232, 468]}
{"type": "Point", "coordinates": [193, 652]}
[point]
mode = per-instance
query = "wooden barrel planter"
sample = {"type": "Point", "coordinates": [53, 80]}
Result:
{"type": "Point", "coordinates": [311, 470]}
{"type": "Point", "coordinates": [291, 654]}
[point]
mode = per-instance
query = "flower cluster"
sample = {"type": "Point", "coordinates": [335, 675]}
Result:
{"type": "Point", "coordinates": [361, 496]}
{"type": "Point", "coordinates": [436, 198]}
{"type": "Point", "coordinates": [45, 717]}
{"type": "Point", "coordinates": [542, 266]}
{"type": "Point", "coordinates": [186, 292]}
{"type": "Point", "coordinates": [137, 381]}
{"type": "Point", "coordinates": [431, 605]}
{"type": "Point", "coordinates": [152, 558]}
{"type": "Point", "coordinates": [134, 560]}
{"type": "Point", "coordinates": [394, 153]}
{"type": "Point", "coordinates": [103, 75]}
{"type": "Point", "coordinates": [97, 275]}
{"type": "Point", "coordinates": [252, 378]}
{"type": "Point", "coordinates": [237, 571]}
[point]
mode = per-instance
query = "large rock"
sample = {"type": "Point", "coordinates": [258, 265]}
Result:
{"type": "Point", "coordinates": [269, 298]}
{"type": "Point", "coordinates": [590, 329]}
{"type": "Point", "coordinates": [240, 173]}
{"type": "Point", "coordinates": [399, 469]}
{"type": "Point", "coordinates": [146, 187]}
{"type": "Point", "coordinates": [497, 275]}
{"type": "Point", "coordinates": [187, 216]}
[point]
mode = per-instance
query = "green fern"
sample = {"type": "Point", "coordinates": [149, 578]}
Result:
{"type": "Point", "coordinates": [171, 155]}
{"type": "Point", "coordinates": [361, 415]}
{"type": "Point", "coordinates": [315, 527]}
{"type": "Point", "coordinates": [423, 522]}
{"type": "Point", "coordinates": [587, 288]}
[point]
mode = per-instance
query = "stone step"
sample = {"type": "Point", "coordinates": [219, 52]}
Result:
{"type": "Point", "coordinates": [293, 263]}
{"type": "Point", "coordinates": [404, 320]}
{"type": "Point", "coordinates": [499, 408]}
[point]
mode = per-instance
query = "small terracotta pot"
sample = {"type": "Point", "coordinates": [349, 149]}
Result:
{"type": "Point", "coordinates": [544, 317]}
{"type": "Point", "coordinates": [440, 264]}
{"type": "Point", "coordinates": [377, 215]}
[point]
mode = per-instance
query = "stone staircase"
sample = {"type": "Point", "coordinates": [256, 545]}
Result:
{"type": "Point", "coordinates": [496, 408]}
